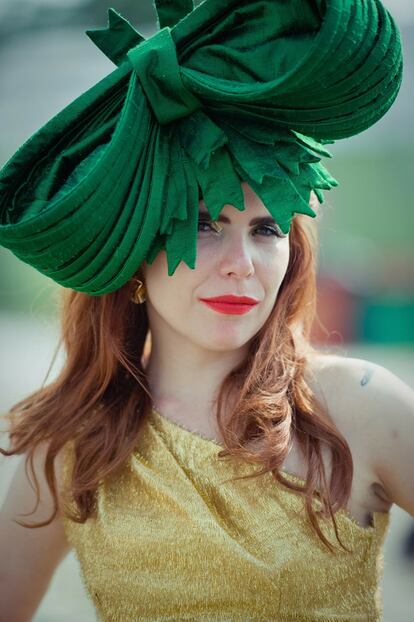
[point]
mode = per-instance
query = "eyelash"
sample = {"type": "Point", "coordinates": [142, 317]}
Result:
{"type": "Point", "coordinates": [274, 231]}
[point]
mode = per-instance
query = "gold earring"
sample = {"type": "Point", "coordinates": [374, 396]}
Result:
{"type": "Point", "coordinates": [140, 293]}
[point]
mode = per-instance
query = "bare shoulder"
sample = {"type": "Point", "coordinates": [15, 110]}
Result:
{"type": "Point", "coordinates": [361, 392]}
{"type": "Point", "coordinates": [358, 383]}
{"type": "Point", "coordinates": [374, 409]}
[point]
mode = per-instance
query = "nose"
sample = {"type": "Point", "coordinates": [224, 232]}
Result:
{"type": "Point", "coordinates": [236, 258]}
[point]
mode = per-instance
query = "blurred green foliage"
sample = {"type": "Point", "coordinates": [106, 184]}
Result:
{"type": "Point", "coordinates": [374, 197]}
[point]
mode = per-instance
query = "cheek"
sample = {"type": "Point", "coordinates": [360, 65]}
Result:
{"type": "Point", "coordinates": [276, 259]}
{"type": "Point", "coordinates": [159, 285]}
{"type": "Point", "coordinates": [274, 268]}
{"type": "Point", "coordinates": [207, 250]}
{"type": "Point", "coordinates": [168, 294]}
{"type": "Point", "coordinates": [284, 256]}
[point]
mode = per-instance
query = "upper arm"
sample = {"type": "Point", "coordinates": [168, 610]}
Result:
{"type": "Point", "coordinates": [391, 411]}
{"type": "Point", "coordinates": [375, 409]}
{"type": "Point", "coordinates": [28, 557]}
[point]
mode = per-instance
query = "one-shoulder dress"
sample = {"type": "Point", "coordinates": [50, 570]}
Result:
{"type": "Point", "coordinates": [172, 541]}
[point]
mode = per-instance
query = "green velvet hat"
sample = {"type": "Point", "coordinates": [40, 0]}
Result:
{"type": "Point", "coordinates": [226, 92]}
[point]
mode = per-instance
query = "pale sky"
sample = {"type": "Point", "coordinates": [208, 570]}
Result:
{"type": "Point", "coordinates": [402, 10]}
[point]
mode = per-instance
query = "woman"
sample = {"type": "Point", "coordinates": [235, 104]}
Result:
{"type": "Point", "coordinates": [194, 347]}
{"type": "Point", "coordinates": [210, 463]}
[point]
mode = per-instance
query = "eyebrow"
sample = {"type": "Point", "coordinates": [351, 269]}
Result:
{"type": "Point", "coordinates": [261, 220]}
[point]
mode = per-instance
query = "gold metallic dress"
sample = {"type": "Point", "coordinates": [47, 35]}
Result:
{"type": "Point", "coordinates": [172, 542]}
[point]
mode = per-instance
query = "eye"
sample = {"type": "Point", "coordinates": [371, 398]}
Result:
{"type": "Point", "coordinates": [205, 222]}
{"type": "Point", "coordinates": [271, 231]}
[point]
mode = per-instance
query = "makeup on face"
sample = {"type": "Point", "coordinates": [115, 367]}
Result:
{"type": "Point", "coordinates": [261, 221]}
{"type": "Point", "coordinates": [231, 304]}
{"type": "Point", "coordinates": [229, 308]}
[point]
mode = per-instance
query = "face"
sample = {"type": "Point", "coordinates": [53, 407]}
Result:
{"type": "Point", "coordinates": [243, 259]}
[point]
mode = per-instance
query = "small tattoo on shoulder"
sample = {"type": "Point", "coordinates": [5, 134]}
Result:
{"type": "Point", "coordinates": [367, 376]}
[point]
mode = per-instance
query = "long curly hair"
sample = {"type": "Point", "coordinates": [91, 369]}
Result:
{"type": "Point", "coordinates": [101, 396]}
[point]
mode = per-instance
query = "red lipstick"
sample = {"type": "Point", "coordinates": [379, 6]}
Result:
{"type": "Point", "coordinates": [230, 304]}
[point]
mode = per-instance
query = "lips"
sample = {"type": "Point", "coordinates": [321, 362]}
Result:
{"type": "Point", "coordinates": [231, 298]}
{"type": "Point", "coordinates": [230, 304]}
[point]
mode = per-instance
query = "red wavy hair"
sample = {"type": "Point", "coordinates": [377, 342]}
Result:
{"type": "Point", "coordinates": [102, 396]}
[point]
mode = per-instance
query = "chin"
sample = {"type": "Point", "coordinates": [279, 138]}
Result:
{"type": "Point", "coordinates": [226, 340]}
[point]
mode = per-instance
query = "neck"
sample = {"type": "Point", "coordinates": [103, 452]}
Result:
{"type": "Point", "coordinates": [187, 379]}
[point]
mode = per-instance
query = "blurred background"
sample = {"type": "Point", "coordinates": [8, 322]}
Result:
{"type": "Point", "coordinates": [366, 267]}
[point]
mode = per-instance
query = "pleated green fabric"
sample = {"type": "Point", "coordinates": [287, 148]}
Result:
{"type": "Point", "coordinates": [226, 92]}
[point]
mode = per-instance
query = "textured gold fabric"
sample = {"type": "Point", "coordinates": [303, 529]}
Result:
{"type": "Point", "coordinates": [171, 542]}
